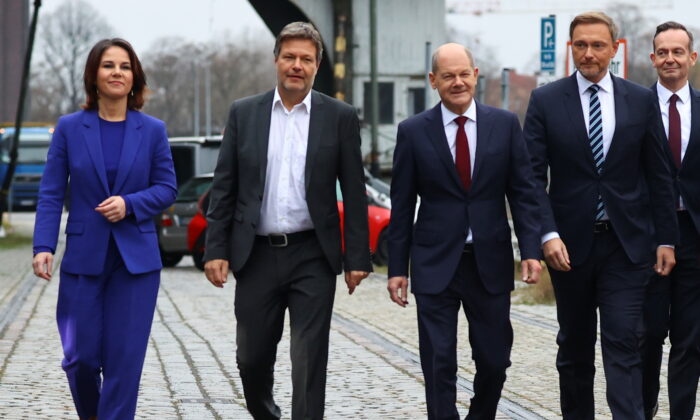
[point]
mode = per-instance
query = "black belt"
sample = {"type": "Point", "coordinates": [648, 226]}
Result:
{"type": "Point", "coordinates": [468, 248]}
{"type": "Point", "coordinates": [280, 240]}
{"type": "Point", "coordinates": [602, 226]}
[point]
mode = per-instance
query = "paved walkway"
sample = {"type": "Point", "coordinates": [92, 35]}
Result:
{"type": "Point", "coordinates": [190, 371]}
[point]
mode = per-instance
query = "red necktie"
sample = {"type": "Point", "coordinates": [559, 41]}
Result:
{"type": "Point", "coordinates": [462, 158]}
{"type": "Point", "coordinates": [674, 130]}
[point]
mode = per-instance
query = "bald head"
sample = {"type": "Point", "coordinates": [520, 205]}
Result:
{"type": "Point", "coordinates": [454, 77]}
{"type": "Point", "coordinates": [450, 50]}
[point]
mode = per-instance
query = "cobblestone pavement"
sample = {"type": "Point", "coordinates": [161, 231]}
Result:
{"type": "Point", "coordinates": [190, 371]}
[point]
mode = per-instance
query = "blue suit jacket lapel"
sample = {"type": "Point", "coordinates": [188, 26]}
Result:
{"type": "Point", "coordinates": [484, 125]}
{"type": "Point", "coordinates": [435, 131]}
{"type": "Point", "coordinates": [93, 143]}
{"type": "Point", "coordinates": [662, 130]}
{"type": "Point", "coordinates": [572, 103]}
{"type": "Point", "coordinates": [694, 123]}
{"type": "Point", "coordinates": [621, 117]}
{"type": "Point", "coordinates": [132, 142]}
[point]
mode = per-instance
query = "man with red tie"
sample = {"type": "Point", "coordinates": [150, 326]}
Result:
{"type": "Point", "coordinates": [673, 302]}
{"type": "Point", "coordinates": [463, 159]}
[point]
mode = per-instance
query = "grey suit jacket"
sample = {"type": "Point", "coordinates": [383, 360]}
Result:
{"type": "Point", "coordinates": [333, 152]}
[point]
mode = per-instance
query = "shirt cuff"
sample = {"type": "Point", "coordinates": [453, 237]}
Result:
{"type": "Point", "coordinates": [667, 246]}
{"type": "Point", "coordinates": [547, 236]}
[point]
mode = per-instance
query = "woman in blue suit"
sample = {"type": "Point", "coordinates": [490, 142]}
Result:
{"type": "Point", "coordinates": [121, 175]}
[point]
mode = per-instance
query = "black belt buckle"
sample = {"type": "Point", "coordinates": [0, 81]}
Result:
{"type": "Point", "coordinates": [278, 240]}
{"type": "Point", "coordinates": [603, 226]}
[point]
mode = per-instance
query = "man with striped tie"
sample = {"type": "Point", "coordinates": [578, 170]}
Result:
{"type": "Point", "coordinates": [595, 148]}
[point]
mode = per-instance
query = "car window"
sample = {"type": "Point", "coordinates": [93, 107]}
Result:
{"type": "Point", "coordinates": [193, 189]}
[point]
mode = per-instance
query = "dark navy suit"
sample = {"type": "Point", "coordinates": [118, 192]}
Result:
{"type": "Point", "coordinates": [610, 268]}
{"type": "Point", "coordinates": [680, 291]}
{"type": "Point", "coordinates": [444, 276]}
{"type": "Point", "coordinates": [110, 271]}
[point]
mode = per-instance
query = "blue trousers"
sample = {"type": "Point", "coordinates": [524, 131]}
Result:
{"type": "Point", "coordinates": [104, 322]}
{"type": "Point", "coordinates": [490, 336]}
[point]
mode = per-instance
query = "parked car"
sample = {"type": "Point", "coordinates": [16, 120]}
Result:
{"type": "Point", "coordinates": [377, 191]}
{"type": "Point", "coordinates": [193, 156]}
{"type": "Point", "coordinates": [378, 218]}
{"type": "Point", "coordinates": [173, 221]}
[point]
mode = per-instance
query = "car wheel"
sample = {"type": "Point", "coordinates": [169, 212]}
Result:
{"type": "Point", "coordinates": [381, 254]}
{"type": "Point", "coordinates": [170, 259]}
{"type": "Point", "coordinates": [198, 252]}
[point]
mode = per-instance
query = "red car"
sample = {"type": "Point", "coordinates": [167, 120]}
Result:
{"type": "Point", "coordinates": [378, 218]}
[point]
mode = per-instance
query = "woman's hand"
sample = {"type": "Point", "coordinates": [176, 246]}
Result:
{"type": "Point", "coordinates": [42, 265]}
{"type": "Point", "coordinates": [113, 208]}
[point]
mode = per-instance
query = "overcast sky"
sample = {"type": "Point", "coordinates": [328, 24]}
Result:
{"type": "Point", "coordinates": [512, 34]}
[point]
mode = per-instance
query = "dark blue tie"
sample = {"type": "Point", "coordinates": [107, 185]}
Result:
{"type": "Point", "coordinates": [595, 136]}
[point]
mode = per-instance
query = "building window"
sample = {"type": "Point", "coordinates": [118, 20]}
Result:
{"type": "Point", "coordinates": [416, 100]}
{"type": "Point", "coordinates": [386, 102]}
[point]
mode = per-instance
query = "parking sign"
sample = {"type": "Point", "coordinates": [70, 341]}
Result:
{"type": "Point", "coordinates": [548, 44]}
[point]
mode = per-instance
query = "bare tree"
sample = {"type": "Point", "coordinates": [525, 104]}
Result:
{"type": "Point", "coordinates": [238, 67]}
{"type": "Point", "coordinates": [66, 36]}
{"type": "Point", "coordinates": [638, 30]}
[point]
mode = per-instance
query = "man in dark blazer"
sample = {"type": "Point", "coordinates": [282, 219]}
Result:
{"type": "Point", "coordinates": [274, 222]}
{"type": "Point", "coordinates": [594, 143]}
{"type": "Point", "coordinates": [673, 302]}
{"type": "Point", "coordinates": [463, 159]}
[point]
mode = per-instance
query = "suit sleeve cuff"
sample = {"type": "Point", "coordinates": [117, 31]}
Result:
{"type": "Point", "coordinates": [38, 249]}
{"type": "Point", "coordinates": [129, 207]}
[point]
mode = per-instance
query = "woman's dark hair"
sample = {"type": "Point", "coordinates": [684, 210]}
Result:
{"type": "Point", "coordinates": [136, 96]}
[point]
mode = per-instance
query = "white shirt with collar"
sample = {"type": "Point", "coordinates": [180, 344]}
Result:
{"type": "Point", "coordinates": [606, 97]}
{"type": "Point", "coordinates": [683, 107]}
{"type": "Point", "coordinates": [450, 126]}
{"type": "Point", "coordinates": [284, 208]}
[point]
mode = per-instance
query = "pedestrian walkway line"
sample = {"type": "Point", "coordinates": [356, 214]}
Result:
{"type": "Point", "coordinates": [11, 292]}
{"type": "Point", "coordinates": [9, 311]}
{"type": "Point", "coordinates": [229, 376]}
{"type": "Point", "coordinates": [22, 330]}
{"type": "Point", "coordinates": [510, 408]}
{"type": "Point", "coordinates": [166, 377]}
{"type": "Point", "coordinates": [191, 364]}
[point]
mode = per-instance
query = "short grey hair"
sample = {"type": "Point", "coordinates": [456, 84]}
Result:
{"type": "Point", "coordinates": [299, 30]}
{"type": "Point", "coordinates": [435, 59]}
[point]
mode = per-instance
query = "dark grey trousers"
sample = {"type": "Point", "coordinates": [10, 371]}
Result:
{"type": "Point", "coordinates": [299, 278]}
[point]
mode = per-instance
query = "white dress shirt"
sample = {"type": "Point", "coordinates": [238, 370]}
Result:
{"type": "Point", "coordinates": [448, 121]}
{"type": "Point", "coordinates": [683, 107]}
{"type": "Point", "coordinates": [606, 96]}
{"type": "Point", "coordinates": [284, 208]}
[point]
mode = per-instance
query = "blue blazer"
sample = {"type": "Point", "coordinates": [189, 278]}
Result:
{"type": "Point", "coordinates": [423, 166]}
{"type": "Point", "coordinates": [568, 183]}
{"type": "Point", "coordinates": [145, 175]}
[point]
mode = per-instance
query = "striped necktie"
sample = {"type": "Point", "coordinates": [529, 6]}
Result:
{"type": "Point", "coordinates": [595, 136]}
